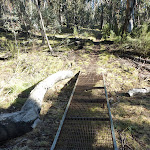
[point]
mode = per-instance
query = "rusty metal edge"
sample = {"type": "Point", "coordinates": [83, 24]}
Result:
{"type": "Point", "coordinates": [88, 119]}
{"type": "Point", "coordinates": [111, 120]}
{"type": "Point", "coordinates": [63, 117]}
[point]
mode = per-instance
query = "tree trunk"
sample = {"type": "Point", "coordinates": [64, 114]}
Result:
{"type": "Point", "coordinates": [110, 14]}
{"type": "Point", "coordinates": [102, 17]}
{"type": "Point", "coordinates": [128, 25]}
{"type": "Point", "coordinates": [1, 23]}
{"type": "Point", "coordinates": [60, 13]}
{"type": "Point", "coordinates": [18, 123]}
{"type": "Point", "coordinates": [43, 27]}
{"type": "Point", "coordinates": [0, 10]}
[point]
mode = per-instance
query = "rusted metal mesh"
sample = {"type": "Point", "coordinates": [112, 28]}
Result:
{"type": "Point", "coordinates": [87, 125]}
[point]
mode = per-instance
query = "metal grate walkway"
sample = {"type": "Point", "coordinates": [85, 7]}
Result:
{"type": "Point", "coordinates": [87, 122]}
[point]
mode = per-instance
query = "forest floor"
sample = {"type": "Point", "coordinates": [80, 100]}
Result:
{"type": "Point", "coordinates": [19, 76]}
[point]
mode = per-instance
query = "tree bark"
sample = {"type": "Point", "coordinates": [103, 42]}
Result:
{"type": "Point", "coordinates": [0, 12]}
{"type": "Point", "coordinates": [18, 123]}
{"type": "Point", "coordinates": [102, 17]}
{"type": "Point", "coordinates": [128, 25]}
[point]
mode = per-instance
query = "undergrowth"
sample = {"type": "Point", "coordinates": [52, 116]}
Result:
{"type": "Point", "coordinates": [137, 42]}
{"type": "Point", "coordinates": [21, 74]}
{"type": "Point", "coordinates": [30, 68]}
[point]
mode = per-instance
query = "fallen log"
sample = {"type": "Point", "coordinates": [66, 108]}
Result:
{"type": "Point", "coordinates": [137, 91]}
{"type": "Point", "coordinates": [137, 59]}
{"type": "Point", "coordinates": [18, 123]}
{"type": "Point", "coordinates": [142, 66]}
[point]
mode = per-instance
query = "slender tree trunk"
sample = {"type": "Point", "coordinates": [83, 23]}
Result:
{"type": "Point", "coordinates": [138, 14]}
{"type": "Point", "coordinates": [1, 13]}
{"type": "Point", "coordinates": [0, 10]}
{"type": "Point", "coordinates": [60, 13]}
{"type": "Point", "coordinates": [42, 34]}
{"type": "Point", "coordinates": [43, 27]}
{"type": "Point", "coordinates": [115, 23]}
{"type": "Point", "coordinates": [30, 8]}
{"type": "Point", "coordinates": [102, 17]}
{"type": "Point", "coordinates": [110, 5]}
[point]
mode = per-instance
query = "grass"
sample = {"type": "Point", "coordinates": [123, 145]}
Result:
{"type": "Point", "coordinates": [130, 114]}
{"type": "Point", "coordinates": [132, 122]}
{"type": "Point", "coordinates": [32, 66]}
{"type": "Point", "coordinates": [20, 74]}
{"type": "Point", "coordinates": [29, 69]}
{"type": "Point", "coordinates": [121, 75]}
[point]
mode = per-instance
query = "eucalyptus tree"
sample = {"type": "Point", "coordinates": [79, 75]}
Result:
{"type": "Point", "coordinates": [42, 24]}
{"type": "Point", "coordinates": [73, 13]}
{"type": "Point", "coordinates": [0, 10]}
{"type": "Point", "coordinates": [129, 20]}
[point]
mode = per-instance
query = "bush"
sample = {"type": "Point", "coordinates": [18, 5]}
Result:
{"type": "Point", "coordinates": [106, 31]}
{"type": "Point", "coordinates": [75, 31]}
{"type": "Point", "coordinates": [138, 40]}
{"type": "Point", "coordinates": [11, 47]}
{"type": "Point", "coordinates": [141, 41]}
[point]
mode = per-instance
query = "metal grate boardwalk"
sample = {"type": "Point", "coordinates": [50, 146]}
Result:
{"type": "Point", "coordinates": [86, 124]}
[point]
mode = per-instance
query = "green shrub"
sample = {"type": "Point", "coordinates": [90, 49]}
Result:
{"type": "Point", "coordinates": [106, 31]}
{"type": "Point", "coordinates": [75, 31]}
{"type": "Point", "coordinates": [11, 46]}
{"type": "Point", "coordinates": [138, 40]}
{"type": "Point", "coordinates": [114, 37]}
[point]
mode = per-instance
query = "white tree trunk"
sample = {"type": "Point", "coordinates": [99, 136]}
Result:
{"type": "Point", "coordinates": [129, 21]}
{"type": "Point", "coordinates": [18, 123]}
{"type": "Point", "coordinates": [43, 27]}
